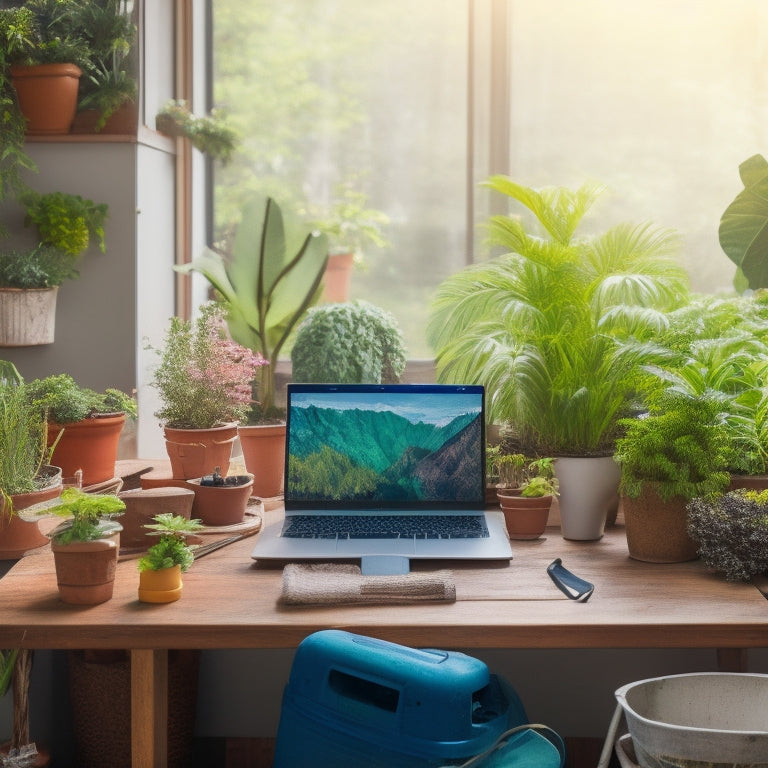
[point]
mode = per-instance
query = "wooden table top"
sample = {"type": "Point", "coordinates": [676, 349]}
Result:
{"type": "Point", "coordinates": [231, 602]}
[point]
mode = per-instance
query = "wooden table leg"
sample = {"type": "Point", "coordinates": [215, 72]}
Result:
{"type": "Point", "coordinates": [149, 708]}
{"type": "Point", "coordinates": [732, 659]}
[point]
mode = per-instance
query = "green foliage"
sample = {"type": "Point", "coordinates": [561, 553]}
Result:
{"type": "Point", "coordinates": [7, 664]}
{"type": "Point", "coordinates": [267, 283]}
{"type": "Point", "coordinates": [171, 548]}
{"type": "Point", "coordinates": [348, 343]}
{"type": "Point", "coordinates": [211, 133]}
{"type": "Point", "coordinates": [732, 532]}
{"type": "Point", "coordinates": [66, 221]}
{"type": "Point", "coordinates": [204, 379]}
{"type": "Point", "coordinates": [89, 516]}
{"type": "Point", "coordinates": [23, 440]}
{"type": "Point", "coordinates": [533, 477]}
{"type": "Point", "coordinates": [63, 401]}
{"type": "Point", "coordinates": [681, 447]}
{"type": "Point", "coordinates": [743, 230]}
{"type": "Point", "coordinates": [557, 328]}
{"type": "Point", "coordinates": [39, 267]}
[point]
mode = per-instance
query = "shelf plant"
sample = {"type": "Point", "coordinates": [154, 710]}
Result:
{"type": "Point", "coordinates": [348, 343]}
{"type": "Point", "coordinates": [211, 134]}
{"type": "Point", "coordinates": [161, 568]}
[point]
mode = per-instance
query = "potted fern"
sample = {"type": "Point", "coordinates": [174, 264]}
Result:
{"type": "Point", "coordinates": [161, 567]}
{"type": "Point", "coordinates": [677, 452]}
{"type": "Point", "coordinates": [556, 329]}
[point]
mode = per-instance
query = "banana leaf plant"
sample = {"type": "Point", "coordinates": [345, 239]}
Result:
{"type": "Point", "coordinates": [271, 277]}
{"type": "Point", "coordinates": [743, 228]}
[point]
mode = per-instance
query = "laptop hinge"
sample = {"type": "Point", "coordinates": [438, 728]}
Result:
{"type": "Point", "coordinates": [384, 565]}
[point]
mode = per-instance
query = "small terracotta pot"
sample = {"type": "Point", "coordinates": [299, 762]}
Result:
{"type": "Point", "coordinates": [197, 452]}
{"type": "Point", "coordinates": [218, 505]}
{"type": "Point", "coordinates": [141, 506]}
{"type": "Point", "coordinates": [338, 276]}
{"type": "Point", "coordinates": [524, 518]}
{"type": "Point", "coordinates": [85, 570]}
{"type": "Point", "coordinates": [264, 454]}
{"type": "Point", "coordinates": [90, 445]}
{"type": "Point", "coordinates": [47, 96]}
{"type": "Point", "coordinates": [163, 586]}
{"type": "Point", "coordinates": [18, 536]}
{"type": "Point", "coordinates": [657, 531]}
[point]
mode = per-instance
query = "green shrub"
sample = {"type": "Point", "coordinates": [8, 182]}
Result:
{"type": "Point", "coordinates": [40, 267]}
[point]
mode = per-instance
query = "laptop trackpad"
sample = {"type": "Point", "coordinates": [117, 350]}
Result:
{"type": "Point", "coordinates": [358, 547]}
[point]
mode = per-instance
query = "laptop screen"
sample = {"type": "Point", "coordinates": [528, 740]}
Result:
{"type": "Point", "coordinates": [392, 446]}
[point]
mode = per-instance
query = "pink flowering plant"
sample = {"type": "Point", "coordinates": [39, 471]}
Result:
{"type": "Point", "coordinates": [204, 378]}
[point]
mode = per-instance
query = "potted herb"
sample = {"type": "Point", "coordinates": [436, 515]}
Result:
{"type": "Point", "coordinates": [675, 453]}
{"type": "Point", "coordinates": [351, 227]}
{"type": "Point", "coordinates": [26, 477]}
{"type": "Point", "coordinates": [86, 545]}
{"type": "Point", "coordinates": [525, 491]}
{"type": "Point", "coordinates": [210, 133]}
{"type": "Point", "coordinates": [556, 329]}
{"type": "Point", "coordinates": [348, 343]}
{"type": "Point", "coordinates": [204, 380]}
{"type": "Point", "coordinates": [84, 424]}
{"type": "Point", "coordinates": [29, 281]}
{"type": "Point", "coordinates": [267, 282]}
{"type": "Point", "coordinates": [161, 568]}
{"type": "Point", "coordinates": [731, 531]}
{"type": "Point", "coordinates": [46, 65]}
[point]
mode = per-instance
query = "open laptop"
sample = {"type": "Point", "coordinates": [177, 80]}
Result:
{"type": "Point", "coordinates": [385, 473]}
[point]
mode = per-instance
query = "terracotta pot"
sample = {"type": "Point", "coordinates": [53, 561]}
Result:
{"type": "Point", "coordinates": [338, 276]}
{"type": "Point", "coordinates": [85, 570]}
{"type": "Point", "coordinates": [47, 96]}
{"type": "Point", "coordinates": [90, 445]}
{"type": "Point", "coordinates": [18, 536]}
{"type": "Point", "coordinates": [750, 482]}
{"type": "Point", "coordinates": [218, 505]}
{"type": "Point", "coordinates": [524, 518]}
{"type": "Point", "coordinates": [123, 121]}
{"type": "Point", "coordinates": [141, 505]}
{"type": "Point", "coordinates": [657, 530]}
{"type": "Point", "coordinates": [163, 586]}
{"type": "Point", "coordinates": [27, 316]}
{"type": "Point", "coordinates": [264, 455]}
{"type": "Point", "coordinates": [197, 452]}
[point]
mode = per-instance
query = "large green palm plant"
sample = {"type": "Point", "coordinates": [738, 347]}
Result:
{"type": "Point", "coordinates": [557, 327]}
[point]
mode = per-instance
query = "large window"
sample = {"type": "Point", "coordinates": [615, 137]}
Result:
{"type": "Point", "coordinates": [414, 102]}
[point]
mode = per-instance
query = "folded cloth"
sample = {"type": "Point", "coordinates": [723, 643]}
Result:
{"type": "Point", "coordinates": [338, 583]}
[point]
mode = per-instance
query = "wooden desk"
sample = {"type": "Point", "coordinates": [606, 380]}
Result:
{"type": "Point", "coordinates": [230, 602]}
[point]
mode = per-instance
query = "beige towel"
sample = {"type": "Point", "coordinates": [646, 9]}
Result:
{"type": "Point", "coordinates": [336, 583]}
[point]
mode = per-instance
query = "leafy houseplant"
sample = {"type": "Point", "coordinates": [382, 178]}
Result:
{"type": "Point", "coordinates": [732, 532]}
{"type": "Point", "coordinates": [39, 267]}
{"type": "Point", "coordinates": [677, 452]}
{"type": "Point", "coordinates": [85, 546]}
{"type": "Point", "coordinates": [166, 560]}
{"type": "Point", "coordinates": [348, 343]}
{"type": "Point", "coordinates": [210, 133]}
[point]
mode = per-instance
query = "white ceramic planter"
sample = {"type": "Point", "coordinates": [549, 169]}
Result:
{"type": "Point", "coordinates": [27, 317]}
{"type": "Point", "coordinates": [588, 488]}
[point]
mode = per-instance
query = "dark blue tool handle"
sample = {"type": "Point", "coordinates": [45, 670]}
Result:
{"type": "Point", "coordinates": [571, 586]}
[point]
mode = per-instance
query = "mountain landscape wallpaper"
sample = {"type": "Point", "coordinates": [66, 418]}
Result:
{"type": "Point", "coordinates": [373, 452]}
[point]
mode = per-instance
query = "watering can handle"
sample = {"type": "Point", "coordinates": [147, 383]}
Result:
{"type": "Point", "coordinates": [605, 755]}
{"type": "Point", "coordinates": [570, 585]}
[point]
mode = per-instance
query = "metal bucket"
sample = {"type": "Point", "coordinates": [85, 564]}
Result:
{"type": "Point", "coordinates": [700, 720]}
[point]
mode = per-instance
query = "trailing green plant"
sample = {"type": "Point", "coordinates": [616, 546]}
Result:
{"type": "Point", "coordinates": [171, 548]}
{"type": "Point", "coordinates": [40, 267]}
{"type": "Point", "coordinates": [209, 133]}
{"type": "Point", "coordinates": [681, 447]}
{"type": "Point", "coordinates": [62, 400]}
{"type": "Point", "coordinates": [348, 343]}
{"type": "Point", "coordinates": [732, 532]}
{"type": "Point", "coordinates": [66, 221]}
{"type": "Point", "coordinates": [743, 226]}
{"type": "Point", "coordinates": [89, 516]}
{"type": "Point", "coordinates": [558, 327]}
{"type": "Point", "coordinates": [204, 379]}
{"type": "Point", "coordinates": [23, 442]}
{"type": "Point", "coordinates": [267, 282]}
{"type": "Point", "coordinates": [351, 226]}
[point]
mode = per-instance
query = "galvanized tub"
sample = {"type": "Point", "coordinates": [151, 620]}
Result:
{"type": "Point", "coordinates": [700, 720]}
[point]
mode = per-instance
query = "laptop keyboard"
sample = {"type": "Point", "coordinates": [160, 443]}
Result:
{"type": "Point", "coordinates": [385, 527]}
